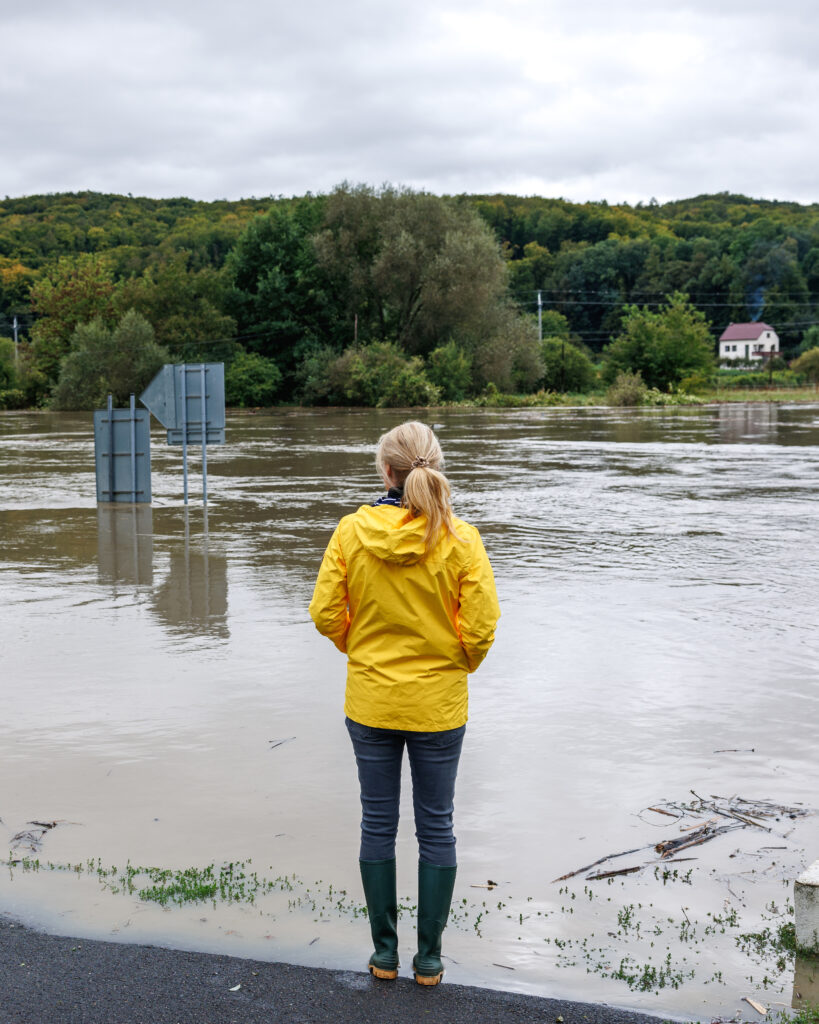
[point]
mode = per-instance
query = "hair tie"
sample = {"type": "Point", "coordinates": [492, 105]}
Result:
{"type": "Point", "coordinates": [420, 463]}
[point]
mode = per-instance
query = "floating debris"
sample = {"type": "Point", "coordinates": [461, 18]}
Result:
{"type": "Point", "coordinates": [757, 1006]}
{"type": "Point", "coordinates": [611, 874]}
{"type": "Point", "coordinates": [32, 838]}
{"type": "Point", "coordinates": [602, 860]}
{"type": "Point", "coordinates": [702, 835]}
{"type": "Point", "coordinates": [279, 743]}
{"type": "Point", "coordinates": [741, 812]}
{"type": "Point", "coordinates": [659, 810]}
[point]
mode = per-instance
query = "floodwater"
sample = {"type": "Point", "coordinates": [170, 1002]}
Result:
{"type": "Point", "coordinates": [167, 701]}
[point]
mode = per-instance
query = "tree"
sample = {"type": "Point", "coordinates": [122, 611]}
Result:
{"type": "Point", "coordinates": [810, 339]}
{"type": "Point", "coordinates": [16, 280]}
{"type": "Point", "coordinates": [663, 346]}
{"type": "Point", "coordinates": [567, 368]}
{"type": "Point", "coordinates": [184, 308]}
{"type": "Point", "coordinates": [531, 271]}
{"type": "Point", "coordinates": [76, 291]}
{"type": "Point", "coordinates": [508, 352]}
{"type": "Point", "coordinates": [122, 361]}
{"type": "Point", "coordinates": [554, 324]}
{"type": "Point", "coordinates": [410, 267]}
{"type": "Point", "coordinates": [280, 297]}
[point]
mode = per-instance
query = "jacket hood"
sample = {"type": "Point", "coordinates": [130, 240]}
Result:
{"type": "Point", "coordinates": [391, 533]}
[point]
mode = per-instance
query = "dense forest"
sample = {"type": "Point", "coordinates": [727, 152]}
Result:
{"type": "Point", "coordinates": [388, 296]}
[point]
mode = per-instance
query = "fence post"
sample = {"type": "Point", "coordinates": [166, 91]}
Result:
{"type": "Point", "coordinates": [806, 908]}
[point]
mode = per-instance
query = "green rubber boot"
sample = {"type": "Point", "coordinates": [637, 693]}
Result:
{"type": "Point", "coordinates": [435, 885]}
{"type": "Point", "coordinates": [378, 877]}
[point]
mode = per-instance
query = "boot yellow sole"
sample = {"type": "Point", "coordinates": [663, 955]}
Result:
{"type": "Point", "coordinates": [429, 979]}
{"type": "Point", "coordinates": [384, 975]}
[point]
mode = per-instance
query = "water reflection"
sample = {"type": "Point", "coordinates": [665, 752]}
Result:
{"type": "Point", "coordinates": [125, 544]}
{"type": "Point", "coordinates": [192, 599]}
{"type": "Point", "coordinates": [805, 983]}
{"type": "Point", "coordinates": [748, 424]}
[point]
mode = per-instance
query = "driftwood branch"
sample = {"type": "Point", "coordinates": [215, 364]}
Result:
{"type": "Point", "coordinates": [611, 874]}
{"type": "Point", "coordinates": [588, 867]}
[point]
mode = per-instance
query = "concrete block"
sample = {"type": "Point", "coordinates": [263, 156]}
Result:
{"type": "Point", "coordinates": [806, 908]}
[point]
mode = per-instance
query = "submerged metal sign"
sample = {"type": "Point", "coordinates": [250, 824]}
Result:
{"type": "Point", "coordinates": [122, 452]}
{"type": "Point", "coordinates": [188, 399]}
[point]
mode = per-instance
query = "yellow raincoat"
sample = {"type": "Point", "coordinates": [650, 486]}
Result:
{"type": "Point", "coordinates": [412, 627]}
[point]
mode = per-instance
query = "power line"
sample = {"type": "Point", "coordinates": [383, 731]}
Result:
{"type": "Point", "coordinates": [662, 294]}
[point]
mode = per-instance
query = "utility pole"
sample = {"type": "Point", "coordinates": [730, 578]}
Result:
{"type": "Point", "coordinates": [539, 316]}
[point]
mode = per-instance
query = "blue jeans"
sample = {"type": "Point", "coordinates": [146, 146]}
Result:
{"type": "Point", "coordinates": [433, 758]}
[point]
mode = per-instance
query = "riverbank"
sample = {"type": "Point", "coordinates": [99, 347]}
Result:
{"type": "Point", "coordinates": [80, 981]}
{"type": "Point", "coordinates": [806, 395]}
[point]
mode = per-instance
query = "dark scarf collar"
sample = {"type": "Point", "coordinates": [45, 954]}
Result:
{"type": "Point", "coordinates": [394, 496]}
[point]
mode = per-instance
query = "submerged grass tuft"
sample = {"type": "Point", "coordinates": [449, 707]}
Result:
{"type": "Point", "coordinates": [647, 948]}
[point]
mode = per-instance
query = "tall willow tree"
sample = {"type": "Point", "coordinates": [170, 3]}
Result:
{"type": "Point", "coordinates": [410, 267]}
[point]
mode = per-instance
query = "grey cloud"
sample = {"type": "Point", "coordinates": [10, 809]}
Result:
{"type": "Point", "coordinates": [184, 99]}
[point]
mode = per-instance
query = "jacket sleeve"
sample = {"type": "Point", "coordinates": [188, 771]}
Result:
{"type": "Point", "coordinates": [479, 611]}
{"type": "Point", "coordinates": [329, 609]}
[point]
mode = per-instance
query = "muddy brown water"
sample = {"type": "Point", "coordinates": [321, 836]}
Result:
{"type": "Point", "coordinates": [658, 576]}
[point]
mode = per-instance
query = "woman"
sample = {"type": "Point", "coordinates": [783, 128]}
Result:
{"type": "Point", "coordinates": [406, 591]}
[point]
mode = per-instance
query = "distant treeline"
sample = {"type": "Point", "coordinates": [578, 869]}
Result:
{"type": "Point", "coordinates": [367, 296]}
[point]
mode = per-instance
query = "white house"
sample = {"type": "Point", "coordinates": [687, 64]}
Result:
{"type": "Point", "coordinates": [756, 341]}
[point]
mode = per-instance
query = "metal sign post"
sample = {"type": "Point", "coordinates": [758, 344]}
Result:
{"type": "Point", "coordinates": [203, 394]}
{"type": "Point", "coordinates": [182, 380]}
{"type": "Point", "coordinates": [188, 399]}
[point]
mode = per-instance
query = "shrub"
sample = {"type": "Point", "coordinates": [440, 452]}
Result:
{"type": "Point", "coordinates": [695, 383]}
{"type": "Point", "coordinates": [250, 380]}
{"type": "Point", "coordinates": [372, 375]}
{"type": "Point", "coordinates": [627, 389]}
{"type": "Point", "coordinates": [410, 387]}
{"type": "Point", "coordinates": [12, 398]}
{"type": "Point", "coordinates": [783, 378]}
{"type": "Point", "coordinates": [313, 376]}
{"type": "Point", "coordinates": [567, 368]}
{"type": "Point", "coordinates": [656, 397]}
{"type": "Point", "coordinates": [449, 368]}
{"type": "Point", "coordinates": [492, 398]}
{"type": "Point", "coordinates": [808, 364]}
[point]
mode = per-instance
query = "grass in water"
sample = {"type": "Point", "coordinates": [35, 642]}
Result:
{"type": "Point", "coordinates": [639, 955]}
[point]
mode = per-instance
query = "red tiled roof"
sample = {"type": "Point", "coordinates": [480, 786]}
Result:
{"type": "Point", "coordinates": [744, 332]}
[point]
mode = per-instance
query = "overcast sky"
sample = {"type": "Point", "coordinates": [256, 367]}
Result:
{"type": "Point", "coordinates": [587, 99]}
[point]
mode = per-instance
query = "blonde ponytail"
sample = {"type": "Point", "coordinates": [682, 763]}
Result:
{"type": "Point", "coordinates": [415, 459]}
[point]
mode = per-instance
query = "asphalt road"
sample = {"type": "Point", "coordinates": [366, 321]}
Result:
{"type": "Point", "coordinates": [48, 979]}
